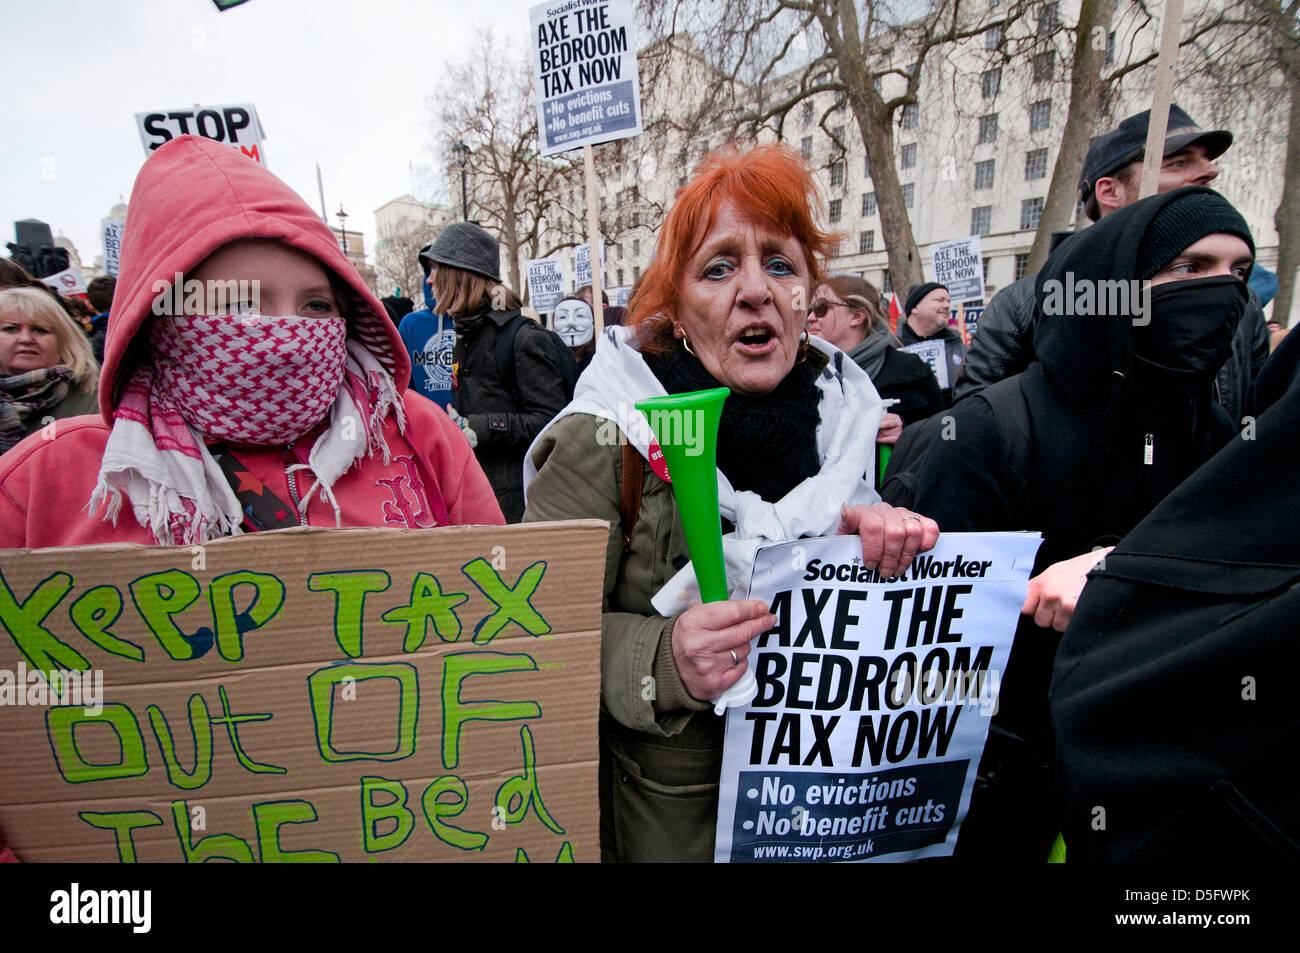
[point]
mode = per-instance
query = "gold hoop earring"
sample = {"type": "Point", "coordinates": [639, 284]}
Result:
{"type": "Point", "coordinates": [686, 343]}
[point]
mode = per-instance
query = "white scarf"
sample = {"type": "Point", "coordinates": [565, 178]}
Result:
{"type": "Point", "coordinates": [849, 411]}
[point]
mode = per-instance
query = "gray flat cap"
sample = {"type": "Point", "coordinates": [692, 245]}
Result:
{"type": "Point", "coordinates": [467, 246]}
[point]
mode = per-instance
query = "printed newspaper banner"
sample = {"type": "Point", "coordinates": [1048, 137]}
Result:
{"type": "Point", "coordinates": [545, 283]}
{"type": "Point", "coordinates": [874, 699]}
{"type": "Point", "coordinates": [932, 352]}
{"type": "Point", "coordinates": [582, 263]}
{"type": "Point", "coordinates": [236, 125]}
{"type": "Point", "coordinates": [959, 265]}
{"type": "Point", "coordinates": [585, 73]}
{"type": "Point", "coordinates": [305, 695]}
{"type": "Point", "coordinates": [112, 236]}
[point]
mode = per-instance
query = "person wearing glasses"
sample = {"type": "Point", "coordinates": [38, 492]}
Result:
{"type": "Point", "coordinates": [847, 312]}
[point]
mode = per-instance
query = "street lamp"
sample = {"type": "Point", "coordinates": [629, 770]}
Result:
{"type": "Point", "coordinates": [462, 157]}
{"type": "Point", "coordinates": [343, 227]}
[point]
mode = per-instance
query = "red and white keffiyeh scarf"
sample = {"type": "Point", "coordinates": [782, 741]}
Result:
{"type": "Point", "coordinates": [248, 380]}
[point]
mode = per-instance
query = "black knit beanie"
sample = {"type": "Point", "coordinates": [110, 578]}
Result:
{"type": "Point", "coordinates": [918, 292]}
{"type": "Point", "coordinates": [1184, 222]}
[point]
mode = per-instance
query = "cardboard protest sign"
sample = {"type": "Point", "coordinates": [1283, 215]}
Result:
{"type": "Point", "coordinates": [584, 73]}
{"type": "Point", "coordinates": [582, 264]}
{"type": "Point", "coordinates": [959, 265]}
{"type": "Point", "coordinates": [112, 233]}
{"type": "Point", "coordinates": [67, 282]}
{"type": "Point", "coordinates": [305, 695]}
{"type": "Point", "coordinates": [236, 125]}
{"type": "Point", "coordinates": [874, 699]}
{"type": "Point", "coordinates": [620, 296]}
{"type": "Point", "coordinates": [973, 316]}
{"type": "Point", "coordinates": [932, 352]}
{"type": "Point", "coordinates": [545, 283]}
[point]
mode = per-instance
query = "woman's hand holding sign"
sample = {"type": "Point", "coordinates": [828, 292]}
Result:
{"type": "Point", "coordinates": [711, 642]}
{"type": "Point", "coordinates": [891, 536]}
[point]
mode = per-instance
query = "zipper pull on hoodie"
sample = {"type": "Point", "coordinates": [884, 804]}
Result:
{"type": "Point", "coordinates": [1149, 449]}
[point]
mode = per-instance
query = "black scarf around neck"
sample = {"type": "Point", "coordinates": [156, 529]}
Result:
{"type": "Point", "coordinates": [766, 444]}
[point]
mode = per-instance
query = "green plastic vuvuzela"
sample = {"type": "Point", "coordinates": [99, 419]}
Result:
{"type": "Point", "coordinates": [686, 426]}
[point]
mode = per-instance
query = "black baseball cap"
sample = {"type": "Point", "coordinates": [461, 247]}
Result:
{"type": "Point", "coordinates": [1128, 141]}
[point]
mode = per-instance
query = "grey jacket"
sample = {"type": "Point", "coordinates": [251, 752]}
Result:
{"type": "Point", "coordinates": [1004, 345]}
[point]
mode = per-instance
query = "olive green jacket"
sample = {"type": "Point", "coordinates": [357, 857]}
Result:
{"type": "Point", "coordinates": [661, 749]}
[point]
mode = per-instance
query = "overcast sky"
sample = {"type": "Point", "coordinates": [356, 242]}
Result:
{"type": "Point", "coordinates": [339, 82]}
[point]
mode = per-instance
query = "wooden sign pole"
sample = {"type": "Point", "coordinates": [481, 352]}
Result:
{"type": "Point", "coordinates": [593, 239]}
{"type": "Point", "coordinates": [1166, 63]}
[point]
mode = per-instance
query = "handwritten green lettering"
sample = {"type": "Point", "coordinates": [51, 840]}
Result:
{"type": "Point", "coordinates": [94, 611]}
{"type": "Point", "coordinates": [512, 604]}
{"type": "Point", "coordinates": [268, 597]}
{"type": "Point", "coordinates": [457, 710]}
{"type": "Point", "coordinates": [24, 620]}
{"type": "Point", "coordinates": [350, 590]}
{"type": "Point", "coordinates": [429, 604]}
{"type": "Point", "coordinates": [61, 725]}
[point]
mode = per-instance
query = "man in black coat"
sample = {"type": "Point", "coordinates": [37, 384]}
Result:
{"type": "Point", "coordinates": [926, 314]}
{"type": "Point", "coordinates": [1115, 413]}
{"type": "Point", "coordinates": [1175, 723]}
{"type": "Point", "coordinates": [1112, 170]}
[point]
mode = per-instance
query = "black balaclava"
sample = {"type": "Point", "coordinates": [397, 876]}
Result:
{"type": "Point", "coordinates": [1189, 334]}
{"type": "Point", "coordinates": [1084, 355]}
{"type": "Point", "coordinates": [1144, 370]}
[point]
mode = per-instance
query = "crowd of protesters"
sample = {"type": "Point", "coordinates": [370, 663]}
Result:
{"type": "Point", "coordinates": [1109, 434]}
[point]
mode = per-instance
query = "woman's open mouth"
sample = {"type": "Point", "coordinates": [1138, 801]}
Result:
{"type": "Point", "coordinates": [757, 340]}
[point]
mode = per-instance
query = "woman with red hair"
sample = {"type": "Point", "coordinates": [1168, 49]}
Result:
{"type": "Point", "coordinates": [723, 304]}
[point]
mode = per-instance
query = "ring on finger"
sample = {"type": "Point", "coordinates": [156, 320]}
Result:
{"type": "Point", "coordinates": [735, 660]}
{"type": "Point", "coordinates": [911, 516]}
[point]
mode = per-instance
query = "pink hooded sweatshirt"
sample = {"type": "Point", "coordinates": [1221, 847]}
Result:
{"type": "Point", "coordinates": [192, 197]}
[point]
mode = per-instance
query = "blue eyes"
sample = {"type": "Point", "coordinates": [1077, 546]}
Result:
{"type": "Point", "coordinates": [777, 265]}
